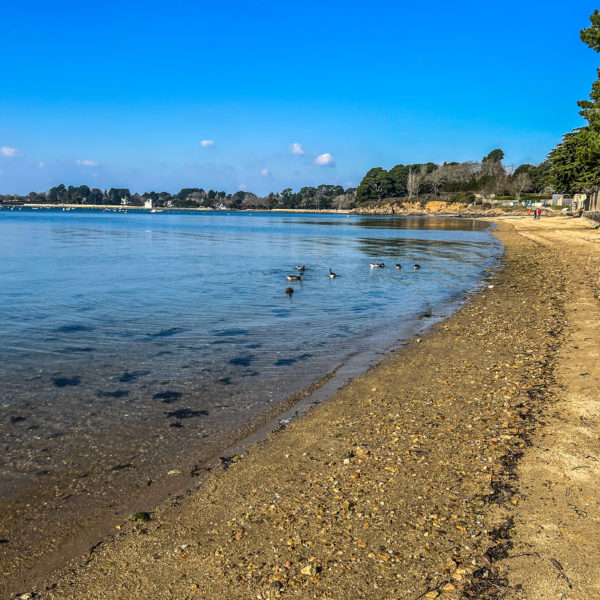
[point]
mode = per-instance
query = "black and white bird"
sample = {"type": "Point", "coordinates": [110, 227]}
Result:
{"type": "Point", "coordinates": [377, 265]}
{"type": "Point", "coordinates": [416, 267]}
{"type": "Point", "coordinates": [301, 267]}
{"type": "Point", "coordinates": [398, 266]}
{"type": "Point", "coordinates": [294, 277]}
{"type": "Point", "coordinates": [289, 291]}
{"type": "Point", "coordinates": [332, 275]}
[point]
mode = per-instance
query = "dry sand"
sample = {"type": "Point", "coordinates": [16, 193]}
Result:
{"type": "Point", "coordinates": [464, 466]}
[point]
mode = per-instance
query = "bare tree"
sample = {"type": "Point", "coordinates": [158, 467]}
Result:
{"type": "Point", "coordinates": [520, 182]}
{"type": "Point", "coordinates": [412, 183]}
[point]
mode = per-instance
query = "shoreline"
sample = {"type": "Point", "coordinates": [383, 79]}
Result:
{"type": "Point", "coordinates": [379, 436]}
{"type": "Point", "coordinates": [461, 211]}
{"type": "Point", "coordinates": [77, 534]}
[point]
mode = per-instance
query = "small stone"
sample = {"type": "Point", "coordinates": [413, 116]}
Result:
{"type": "Point", "coordinates": [309, 570]}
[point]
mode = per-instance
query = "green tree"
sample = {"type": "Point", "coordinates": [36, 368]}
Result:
{"type": "Point", "coordinates": [495, 156]}
{"type": "Point", "coordinates": [591, 35]}
{"type": "Point", "coordinates": [575, 162]}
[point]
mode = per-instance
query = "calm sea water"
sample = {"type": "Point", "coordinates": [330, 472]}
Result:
{"type": "Point", "coordinates": [146, 340]}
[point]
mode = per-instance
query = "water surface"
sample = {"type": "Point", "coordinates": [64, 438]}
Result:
{"type": "Point", "coordinates": [134, 343]}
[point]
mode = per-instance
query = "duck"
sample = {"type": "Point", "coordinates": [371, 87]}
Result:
{"type": "Point", "coordinates": [332, 275]}
{"type": "Point", "coordinates": [301, 268]}
{"type": "Point", "coordinates": [289, 291]}
{"type": "Point", "coordinates": [416, 267]}
{"type": "Point", "coordinates": [294, 277]}
{"type": "Point", "coordinates": [377, 265]}
{"type": "Point", "coordinates": [398, 266]}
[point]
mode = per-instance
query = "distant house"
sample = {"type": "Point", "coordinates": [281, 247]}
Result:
{"type": "Point", "coordinates": [148, 203]}
{"type": "Point", "coordinates": [560, 200]}
{"type": "Point", "coordinates": [125, 201]}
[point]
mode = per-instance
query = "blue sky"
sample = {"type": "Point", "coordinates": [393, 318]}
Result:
{"type": "Point", "coordinates": [122, 94]}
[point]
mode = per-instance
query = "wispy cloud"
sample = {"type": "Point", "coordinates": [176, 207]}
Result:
{"type": "Point", "coordinates": [41, 165]}
{"type": "Point", "coordinates": [242, 187]}
{"type": "Point", "coordinates": [8, 151]}
{"type": "Point", "coordinates": [297, 148]}
{"type": "Point", "coordinates": [325, 160]}
{"type": "Point", "coordinates": [87, 163]}
{"type": "Point", "coordinates": [265, 172]}
{"type": "Point", "coordinates": [207, 143]}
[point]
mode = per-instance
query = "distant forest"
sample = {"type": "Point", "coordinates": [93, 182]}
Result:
{"type": "Point", "coordinates": [321, 197]}
{"type": "Point", "coordinates": [453, 182]}
{"type": "Point", "coordinates": [573, 166]}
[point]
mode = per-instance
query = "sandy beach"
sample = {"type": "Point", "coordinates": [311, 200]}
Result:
{"type": "Point", "coordinates": [464, 466]}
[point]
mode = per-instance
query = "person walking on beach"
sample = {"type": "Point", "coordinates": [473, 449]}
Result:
{"type": "Point", "coordinates": [539, 213]}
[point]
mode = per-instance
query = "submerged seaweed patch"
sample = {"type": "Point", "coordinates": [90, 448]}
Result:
{"type": "Point", "coordinates": [115, 394]}
{"type": "Point", "coordinates": [165, 332]}
{"type": "Point", "coordinates": [66, 381]}
{"type": "Point", "coordinates": [127, 377]}
{"type": "Point", "coordinates": [242, 361]}
{"type": "Point", "coordinates": [76, 349]}
{"type": "Point", "coordinates": [168, 396]}
{"type": "Point", "coordinates": [284, 362]}
{"type": "Point", "coordinates": [186, 413]}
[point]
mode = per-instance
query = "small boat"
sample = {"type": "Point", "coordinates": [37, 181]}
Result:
{"type": "Point", "coordinates": [377, 265]}
{"type": "Point", "coordinates": [294, 277]}
{"type": "Point", "coordinates": [332, 275]}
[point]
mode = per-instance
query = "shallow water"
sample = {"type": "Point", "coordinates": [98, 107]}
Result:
{"type": "Point", "coordinates": [139, 342]}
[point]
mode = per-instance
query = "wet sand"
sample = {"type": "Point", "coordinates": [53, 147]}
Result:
{"type": "Point", "coordinates": [417, 480]}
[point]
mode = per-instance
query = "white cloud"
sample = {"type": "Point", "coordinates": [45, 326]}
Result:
{"type": "Point", "coordinates": [41, 165]}
{"type": "Point", "coordinates": [265, 172]}
{"type": "Point", "coordinates": [8, 151]}
{"type": "Point", "coordinates": [296, 148]}
{"type": "Point", "coordinates": [87, 163]}
{"type": "Point", "coordinates": [207, 143]}
{"type": "Point", "coordinates": [242, 187]}
{"type": "Point", "coordinates": [325, 160]}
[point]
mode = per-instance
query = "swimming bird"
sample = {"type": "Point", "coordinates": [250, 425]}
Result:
{"type": "Point", "coordinates": [332, 275]}
{"type": "Point", "coordinates": [301, 268]}
{"type": "Point", "coordinates": [289, 291]}
{"type": "Point", "coordinates": [398, 266]}
{"type": "Point", "coordinates": [294, 277]}
{"type": "Point", "coordinates": [377, 265]}
{"type": "Point", "coordinates": [416, 267]}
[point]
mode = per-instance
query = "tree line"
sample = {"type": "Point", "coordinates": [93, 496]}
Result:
{"type": "Point", "coordinates": [321, 197]}
{"type": "Point", "coordinates": [454, 181]}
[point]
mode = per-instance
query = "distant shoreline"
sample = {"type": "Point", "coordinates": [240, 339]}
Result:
{"type": "Point", "coordinates": [178, 209]}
